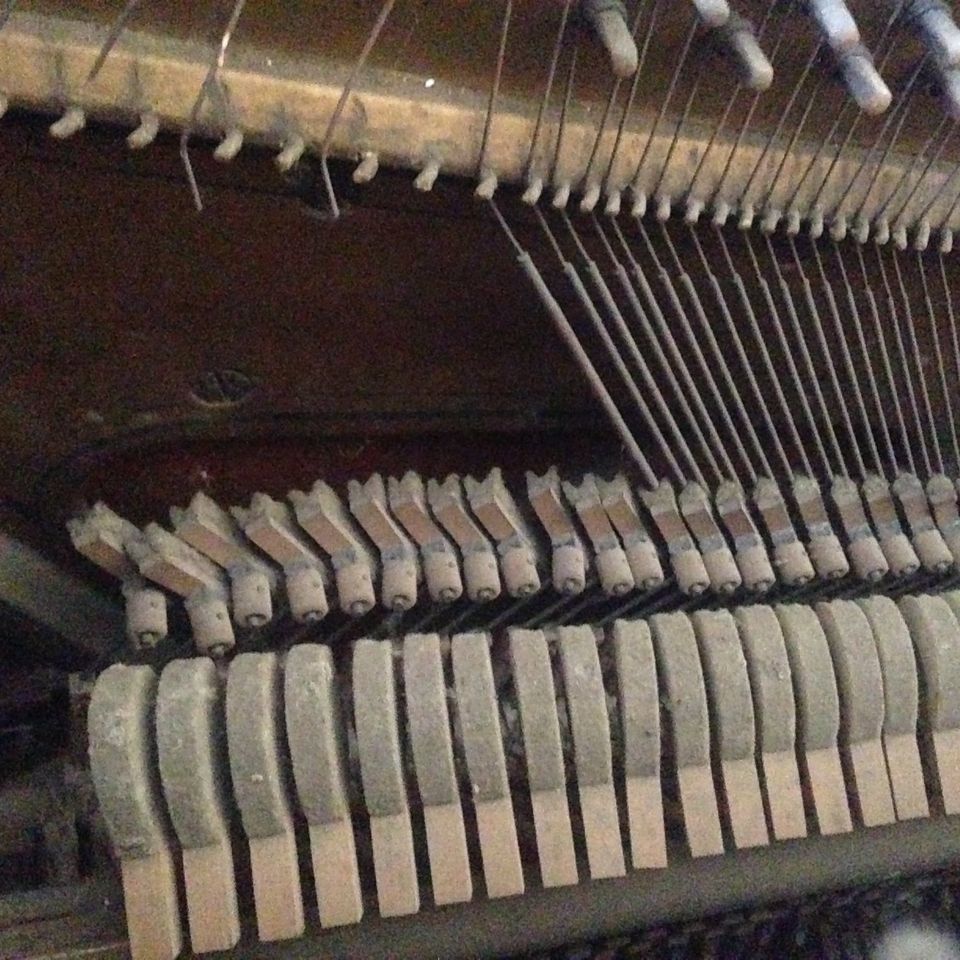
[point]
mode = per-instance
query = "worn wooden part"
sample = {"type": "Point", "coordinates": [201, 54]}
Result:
{"type": "Point", "coordinates": [533, 678]}
{"type": "Point", "coordinates": [440, 561]}
{"type": "Point", "coordinates": [150, 901]}
{"type": "Point", "coordinates": [398, 557]}
{"type": "Point", "coordinates": [124, 771]}
{"type": "Point", "coordinates": [935, 631]}
{"type": "Point", "coordinates": [381, 770]}
{"type": "Point", "coordinates": [479, 724]}
{"type": "Point", "coordinates": [638, 699]}
{"type": "Point", "coordinates": [260, 790]}
{"type": "Point", "coordinates": [697, 510]}
{"type": "Point", "coordinates": [868, 560]}
{"type": "Point", "coordinates": [569, 562]}
{"type": "Point", "coordinates": [325, 518]}
{"type": "Point", "coordinates": [613, 568]}
{"type": "Point", "coordinates": [494, 506]}
{"type": "Point", "coordinates": [818, 716]}
{"type": "Point", "coordinates": [428, 724]}
{"type": "Point", "coordinates": [775, 709]}
{"type": "Point", "coordinates": [642, 553]}
{"type": "Point", "coordinates": [210, 885]}
{"type": "Point", "coordinates": [587, 707]}
{"type": "Point", "coordinates": [333, 856]}
{"type": "Point", "coordinates": [191, 748]}
{"type": "Point", "coordinates": [99, 535]}
{"type": "Point", "coordinates": [678, 664]}
{"type": "Point", "coordinates": [480, 571]}
{"type": "Point", "coordinates": [826, 553]}
{"type": "Point", "coordinates": [860, 684]}
{"type": "Point", "coordinates": [685, 558]}
{"type": "Point", "coordinates": [751, 552]}
{"type": "Point", "coordinates": [790, 556]}
{"type": "Point", "coordinates": [276, 886]}
{"type": "Point", "coordinates": [898, 550]}
{"type": "Point", "coordinates": [929, 542]}
{"type": "Point", "coordinates": [316, 738]}
{"type": "Point", "coordinates": [898, 667]}
{"type": "Point", "coordinates": [732, 724]}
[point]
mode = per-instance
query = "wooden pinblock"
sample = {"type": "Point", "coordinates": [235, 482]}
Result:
{"type": "Point", "coordinates": [593, 756]}
{"type": "Point", "coordinates": [860, 685]}
{"type": "Point", "coordinates": [678, 664]}
{"type": "Point", "coordinates": [480, 731]}
{"type": "Point", "coordinates": [124, 771]}
{"type": "Point", "coordinates": [192, 751]}
{"type": "Point", "coordinates": [901, 697]}
{"type": "Point", "coordinates": [428, 725]}
{"type": "Point", "coordinates": [639, 702]}
{"type": "Point", "coordinates": [533, 679]}
{"type": "Point", "coordinates": [733, 725]}
{"type": "Point", "coordinates": [260, 790]}
{"type": "Point", "coordinates": [936, 637]}
{"type": "Point", "coordinates": [381, 770]}
{"type": "Point", "coordinates": [775, 712]}
{"type": "Point", "coordinates": [316, 737]}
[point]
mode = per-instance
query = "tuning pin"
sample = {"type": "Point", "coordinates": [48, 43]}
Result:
{"type": "Point", "coordinates": [590, 198]}
{"type": "Point", "coordinates": [739, 41]}
{"type": "Point", "coordinates": [935, 24]}
{"type": "Point", "coordinates": [533, 192]}
{"type": "Point", "coordinates": [561, 197]}
{"type": "Point", "coordinates": [487, 186]}
{"type": "Point", "coordinates": [713, 13]}
{"type": "Point", "coordinates": [367, 168]}
{"type": "Point", "coordinates": [427, 177]}
{"type": "Point", "coordinates": [721, 211]}
{"type": "Point", "coordinates": [639, 207]}
{"type": "Point", "coordinates": [145, 133]}
{"type": "Point", "coordinates": [815, 223]}
{"type": "Point", "coordinates": [838, 227]}
{"type": "Point", "coordinates": [836, 23]}
{"type": "Point", "coordinates": [861, 229]}
{"type": "Point", "coordinates": [292, 151]}
{"type": "Point", "coordinates": [612, 208]}
{"type": "Point", "coordinates": [72, 121]}
{"type": "Point", "coordinates": [694, 208]}
{"type": "Point", "coordinates": [229, 146]}
{"type": "Point", "coordinates": [771, 219]}
{"type": "Point", "coordinates": [862, 81]}
{"type": "Point", "coordinates": [608, 19]}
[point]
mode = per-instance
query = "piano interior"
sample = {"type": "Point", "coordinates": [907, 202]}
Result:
{"type": "Point", "coordinates": [479, 479]}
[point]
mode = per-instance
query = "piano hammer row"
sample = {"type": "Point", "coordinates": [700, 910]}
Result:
{"type": "Point", "coordinates": [395, 542]}
{"type": "Point", "coordinates": [453, 769]}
